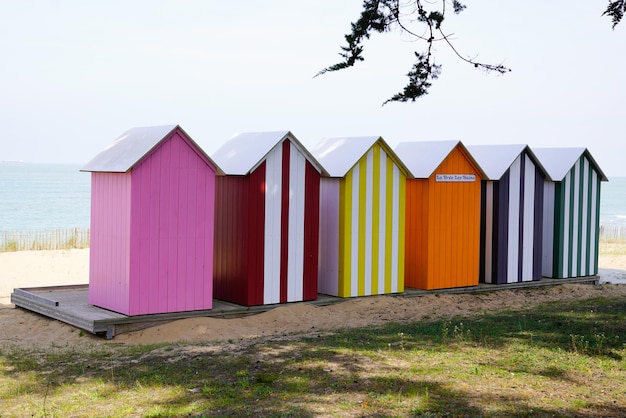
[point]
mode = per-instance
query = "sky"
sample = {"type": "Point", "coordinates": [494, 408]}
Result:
{"type": "Point", "coordinates": [76, 74]}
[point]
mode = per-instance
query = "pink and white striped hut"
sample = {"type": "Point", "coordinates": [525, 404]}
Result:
{"type": "Point", "coordinates": [266, 220]}
{"type": "Point", "coordinates": [152, 209]}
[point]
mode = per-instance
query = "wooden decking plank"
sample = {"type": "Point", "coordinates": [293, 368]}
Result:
{"type": "Point", "coordinates": [35, 297]}
{"type": "Point", "coordinates": [69, 304]}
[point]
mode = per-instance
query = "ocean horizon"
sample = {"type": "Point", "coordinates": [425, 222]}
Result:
{"type": "Point", "coordinates": [37, 196]}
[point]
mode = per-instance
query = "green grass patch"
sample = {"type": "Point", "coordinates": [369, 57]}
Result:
{"type": "Point", "coordinates": [559, 359]}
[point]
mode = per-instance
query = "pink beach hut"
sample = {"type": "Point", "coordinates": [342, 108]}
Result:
{"type": "Point", "coordinates": [267, 220]}
{"type": "Point", "coordinates": [152, 208]}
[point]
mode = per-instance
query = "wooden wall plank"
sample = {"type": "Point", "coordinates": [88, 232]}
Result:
{"type": "Point", "coordinates": [312, 231]}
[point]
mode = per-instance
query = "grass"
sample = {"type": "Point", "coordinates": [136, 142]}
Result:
{"type": "Point", "coordinates": [612, 247]}
{"type": "Point", "coordinates": [559, 359]}
{"type": "Point", "coordinates": [70, 238]}
{"type": "Point", "coordinates": [36, 240]}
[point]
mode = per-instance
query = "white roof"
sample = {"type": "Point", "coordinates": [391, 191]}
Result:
{"type": "Point", "coordinates": [559, 161]}
{"type": "Point", "coordinates": [423, 157]}
{"type": "Point", "coordinates": [243, 152]}
{"type": "Point", "coordinates": [339, 155]}
{"type": "Point", "coordinates": [130, 147]}
{"type": "Point", "coordinates": [495, 160]}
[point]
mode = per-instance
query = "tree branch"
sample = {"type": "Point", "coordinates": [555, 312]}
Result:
{"type": "Point", "coordinates": [615, 10]}
{"type": "Point", "coordinates": [385, 15]}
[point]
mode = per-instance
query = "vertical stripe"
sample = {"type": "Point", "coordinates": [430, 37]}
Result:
{"type": "Point", "coordinates": [497, 232]}
{"type": "Point", "coordinates": [284, 220]}
{"type": "Point", "coordinates": [581, 206]}
{"type": "Point", "coordinates": [389, 225]}
{"type": "Point", "coordinates": [488, 243]}
{"type": "Point", "coordinates": [382, 220]}
{"type": "Point", "coordinates": [376, 220]}
{"type": "Point", "coordinates": [563, 257]}
{"type": "Point", "coordinates": [368, 236]}
{"type": "Point", "coordinates": [501, 248]}
{"type": "Point", "coordinates": [395, 249]}
{"type": "Point", "coordinates": [575, 221]}
{"type": "Point", "coordinates": [520, 221]}
{"type": "Point", "coordinates": [538, 238]}
{"type": "Point", "coordinates": [595, 211]}
{"type": "Point", "coordinates": [584, 221]}
{"type": "Point", "coordinates": [362, 222]}
{"type": "Point", "coordinates": [330, 215]}
{"type": "Point", "coordinates": [590, 225]}
{"type": "Point", "coordinates": [528, 239]}
{"type": "Point", "coordinates": [251, 203]}
{"type": "Point", "coordinates": [345, 235]}
{"type": "Point", "coordinates": [547, 236]}
{"type": "Point", "coordinates": [354, 220]}
{"type": "Point", "coordinates": [295, 278]}
{"type": "Point", "coordinates": [311, 253]}
{"type": "Point", "coordinates": [513, 222]}
{"type": "Point", "coordinates": [271, 250]}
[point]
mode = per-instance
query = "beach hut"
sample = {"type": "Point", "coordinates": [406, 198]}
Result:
{"type": "Point", "coordinates": [571, 212]}
{"type": "Point", "coordinates": [511, 213]}
{"type": "Point", "coordinates": [361, 217]}
{"type": "Point", "coordinates": [442, 215]}
{"type": "Point", "coordinates": [152, 206]}
{"type": "Point", "coordinates": [267, 220]}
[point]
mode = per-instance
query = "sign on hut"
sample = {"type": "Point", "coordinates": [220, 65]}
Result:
{"type": "Point", "coordinates": [442, 215]}
{"type": "Point", "coordinates": [361, 217]}
{"type": "Point", "coordinates": [571, 212]}
{"type": "Point", "coordinates": [152, 206]}
{"type": "Point", "coordinates": [267, 220]}
{"type": "Point", "coordinates": [511, 213]}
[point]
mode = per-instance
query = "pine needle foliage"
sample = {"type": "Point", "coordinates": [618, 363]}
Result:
{"type": "Point", "coordinates": [423, 21]}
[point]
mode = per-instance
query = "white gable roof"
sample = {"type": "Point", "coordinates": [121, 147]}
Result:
{"type": "Point", "coordinates": [423, 157]}
{"type": "Point", "coordinates": [339, 155]}
{"type": "Point", "coordinates": [495, 160]}
{"type": "Point", "coordinates": [559, 161]}
{"type": "Point", "coordinates": [130, 147]}
{"type": "Point", "coordinates": [243, 152]}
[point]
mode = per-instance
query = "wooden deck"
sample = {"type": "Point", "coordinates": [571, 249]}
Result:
{"type": "Point", "coordinates": [69, 304]}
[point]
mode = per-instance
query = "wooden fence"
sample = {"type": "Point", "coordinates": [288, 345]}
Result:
{"type": "Point", "coordinates": [612, 233]}
{"type": "Point", "coordinates": [63, 239]}
{"type": "Point", "coordinates": [57, 239]}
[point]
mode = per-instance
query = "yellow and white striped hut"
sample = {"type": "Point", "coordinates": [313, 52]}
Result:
{"type": "Point", "coordinates": [361, 217]}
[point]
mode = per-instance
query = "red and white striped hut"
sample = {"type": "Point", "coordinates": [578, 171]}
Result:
{"type": "Point", "coordinates": [267, 220]}
{"type": "Point", "coordinates": [152, 205]}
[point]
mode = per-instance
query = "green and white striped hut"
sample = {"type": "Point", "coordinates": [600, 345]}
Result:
{"type": "Point", "coordinates": [571, 212]}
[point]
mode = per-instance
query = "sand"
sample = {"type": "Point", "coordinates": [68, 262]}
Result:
{"type": "Point", "coordinates": [66, 267]}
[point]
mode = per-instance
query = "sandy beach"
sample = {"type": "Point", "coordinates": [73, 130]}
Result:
{"type": "Point", "coordinates": [67, 267]}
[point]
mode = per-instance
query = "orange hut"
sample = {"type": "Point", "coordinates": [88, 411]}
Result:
{"type": "Point", "coordinates": [442, 215]}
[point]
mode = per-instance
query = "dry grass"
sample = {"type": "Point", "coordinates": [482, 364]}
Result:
{"type": "Point", "coordinates": [612, 247]}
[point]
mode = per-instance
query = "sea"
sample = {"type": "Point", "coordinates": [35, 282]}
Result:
{"type": "Point", "coordinates": [57, 196]}
{"type": "Point", "coordinates": [43, 196]}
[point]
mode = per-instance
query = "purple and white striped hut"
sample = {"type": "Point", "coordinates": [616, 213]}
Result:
{"type": "Point", "coordinates": [511, 213]}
